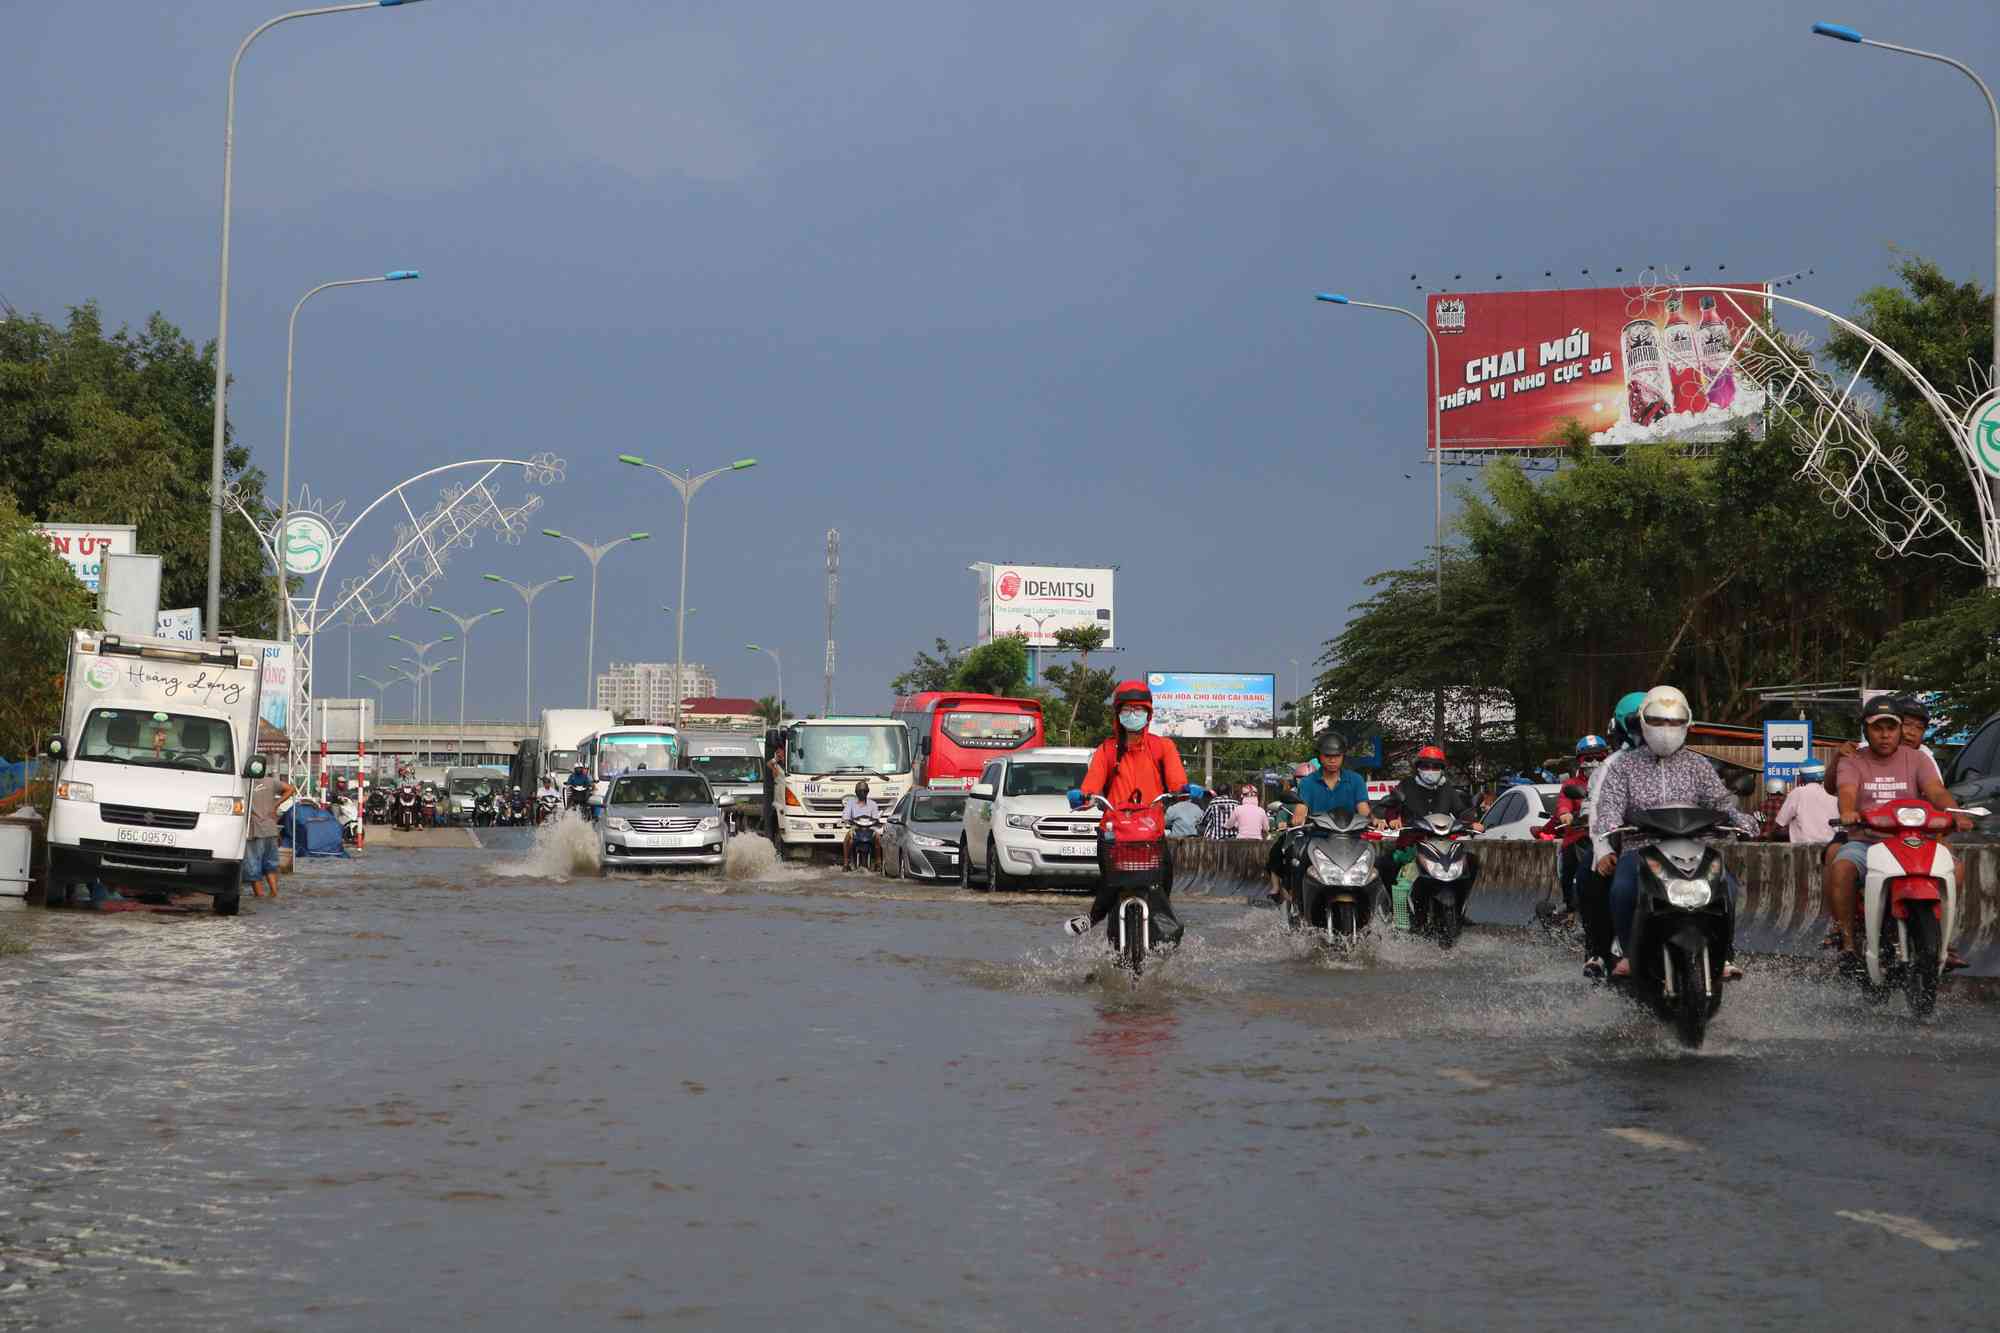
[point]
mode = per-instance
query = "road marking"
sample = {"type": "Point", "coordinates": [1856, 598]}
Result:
{"type": "Point", "coordinates": [1465, 1076]}
{"type": "Point", "coordinates": [1909, 1228]}
{"type": "Point", "coordinates": [473, 834]}
{"type": "Point", "coordinates": [1647, 1138]}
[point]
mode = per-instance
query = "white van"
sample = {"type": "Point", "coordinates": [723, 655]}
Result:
{"type": "Point", "coordinates": [154, 765]}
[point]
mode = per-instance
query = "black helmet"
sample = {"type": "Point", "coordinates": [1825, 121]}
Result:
{"type": "Point", "coordinates": [1329, 742]}
{"type": "Point", "coordinates": [1880, 706]}
{"type": "Point", "coordinates": [1910, 706]}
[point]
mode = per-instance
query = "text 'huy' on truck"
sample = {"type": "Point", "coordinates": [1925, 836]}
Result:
{"type": "Point", "coordinates": [155, 761]}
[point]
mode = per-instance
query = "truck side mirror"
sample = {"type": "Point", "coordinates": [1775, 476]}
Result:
{"type": "Point", "coordinates": [725, 800]}
{"type": "Point", "coordinates": [55, 747]}
{"type": "Point", "coordinates": [255, 768]}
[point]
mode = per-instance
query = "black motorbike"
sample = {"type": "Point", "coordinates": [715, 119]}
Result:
{"type": "Point", "coordinates": [1685, 922]}
{"type": "Point", "coordinates": [1446, 871]}
{"type": "Point", "coordinates": [482, 809]}
{"type": "Point", "coordinates": [409, 815]}
{"type": "Point", "coordinates": [547, 807]}
{"type": "Point", "coordinates": [376, 811]}
{"type": "Point", "coordinates": [865, 850]}
{"type": "Point", "coordinates": [1335, 887]}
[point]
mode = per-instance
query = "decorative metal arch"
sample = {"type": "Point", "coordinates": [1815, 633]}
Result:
{"type": "Point", "coordinates": [415, 560]}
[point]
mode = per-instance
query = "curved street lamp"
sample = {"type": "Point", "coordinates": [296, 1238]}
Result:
{"type": "Point", "coordinates": [687, 484]}
{"type": "Point", "coordinates": [529, 592]}
{"type": "Point", "coordinates": [465, 624]}
{"type": "Point", "coordinates": [594, 553]}
{"type": "Point", "coordinates": [779, 663]}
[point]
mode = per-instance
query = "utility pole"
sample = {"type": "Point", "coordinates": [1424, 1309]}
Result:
{"type": "Point", "coordinates": [832, 603]}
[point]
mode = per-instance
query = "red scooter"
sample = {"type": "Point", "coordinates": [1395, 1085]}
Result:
{"type": "Point", "coordinates": [1909, 900]}
{"type": "Point", "coordinates": [1132, 860]}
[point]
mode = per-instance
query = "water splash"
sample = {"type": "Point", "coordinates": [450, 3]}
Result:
{"type": "Point", "coordinates": [564, 848]}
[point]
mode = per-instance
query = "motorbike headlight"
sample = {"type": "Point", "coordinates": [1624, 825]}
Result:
{"type": "Point", "coordinates": [1323, 866]}
{"type": "Point", "coordinates": [618, 825]}
{"type": "Point", "coordinates": [1021, 821]}
{"type": "Point", "coordinates": [1445, 871]}
{"type": "Point", "coordinates": [225, 805]}
{"type": "Point", "coordinates": [1361, 872]}
{"type": "Point", "coordinates": [712, 821]}
{"type": "Point", "coordinates": [1689, 893]}
{"type": "Point", "coordinates": [76, 791]}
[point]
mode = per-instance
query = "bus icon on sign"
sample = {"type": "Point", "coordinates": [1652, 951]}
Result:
{"type": "Point", "coordinates": [1787, 747]}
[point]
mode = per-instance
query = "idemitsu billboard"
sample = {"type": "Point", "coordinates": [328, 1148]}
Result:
{"type": "Point", "coordinates": [1631, 365]}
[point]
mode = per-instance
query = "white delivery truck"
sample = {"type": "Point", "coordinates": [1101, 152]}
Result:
{"type": "Point", "coordinates": [155, 761]}
{"type": "Point", "coordinates": [564, 730]}
{"type": "Point", "coordinates": [733, 763]}
{"type": "Point", "coordinates": [822, 759]}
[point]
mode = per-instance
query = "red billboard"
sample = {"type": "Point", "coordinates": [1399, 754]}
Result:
{"type": "Point", "coordinates": [1632, 365]}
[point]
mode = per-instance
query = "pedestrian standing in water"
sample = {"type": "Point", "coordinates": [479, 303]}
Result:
{"type": "Point", "coordinates": [260, 854]}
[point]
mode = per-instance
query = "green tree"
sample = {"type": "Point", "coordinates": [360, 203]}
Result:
{"type": "Point", "coordinates": [1083, 640]}
{"type": "Point", "coordinates": [997, 667]}
{"type": "Point", "coordinates": [930, 671]}
{"type": "Point", "coordinates": [116, 429]}
{"type": "Point", "coordinates": [767, 708]}
{"type": "Point", "coordinates": [40, 603]}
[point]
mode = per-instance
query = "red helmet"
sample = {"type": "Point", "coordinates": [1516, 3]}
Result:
{"type": "Point", "coordinates": [1431, 752]}
{"type": "Point", "coordinates": [1131, 692]}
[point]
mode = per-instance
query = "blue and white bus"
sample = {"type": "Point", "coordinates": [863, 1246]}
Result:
{"type": "Point", "coordinates": [607, 753]}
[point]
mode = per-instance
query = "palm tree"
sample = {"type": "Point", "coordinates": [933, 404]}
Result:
{"type": "Point", "coordinates": [767, 708]}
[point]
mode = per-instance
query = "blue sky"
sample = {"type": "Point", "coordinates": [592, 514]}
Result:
{"type": "Point", "coordinates": [1019, 282]}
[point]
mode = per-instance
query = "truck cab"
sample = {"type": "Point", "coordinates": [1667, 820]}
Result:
{"type": "Point", "coordinates": [818, 762]}
{"type": "Point", "coordinates": [154, 766]}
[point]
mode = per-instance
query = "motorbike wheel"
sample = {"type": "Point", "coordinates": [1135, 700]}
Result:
{"type": "Point", "coordinates": [1444, 911]}
{"type": "Point", "coordinates": [1342, 915]}
{"type": "Point", "coordinates": [997, 878]}
{"type": "Point", "coordinates": [1691, 1000]}
{"type": "Point", "coordinates": [1920, 972]}
{"type": "Point", "coordinates": [1135, 940]}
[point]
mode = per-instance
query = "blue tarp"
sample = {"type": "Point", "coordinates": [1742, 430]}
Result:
{"type": "Point", "coordinates": [310, 831]}
{"type": "Point", "coordinates": [13, 777]}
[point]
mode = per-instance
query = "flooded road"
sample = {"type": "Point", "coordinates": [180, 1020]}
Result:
{"type": "Point", "coordinates": [492, 1087]}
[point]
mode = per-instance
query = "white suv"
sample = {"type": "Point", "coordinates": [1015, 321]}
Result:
{"type": "Point", "coordinates": [1018, 824]}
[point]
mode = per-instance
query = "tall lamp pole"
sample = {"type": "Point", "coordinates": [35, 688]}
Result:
{"type": "Point", "coordinates": [529, 592]}
{"type": "Point", "coordinates": [687, 484]}
{"type": "Point", "coordinates": [1841, 32]}
{"type": "Point", "coordinates": [465, 624]}
{"type": "Point", "coordinates": [779, 663]}
{"type": "Point", "coordinates": [420, 649]}
{"type": "Point", "coordinates": [416, 684]}
{"type": "Point", "coordinates": [285, 468]}
{"type": "Point", "coordinates": [1437, 459]}
{"type": "Point", "coordinates": [594, 554]}
{"type": "Point", "coordinates": [220, 427]}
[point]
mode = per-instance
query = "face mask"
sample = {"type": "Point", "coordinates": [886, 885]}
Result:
{"type": "Point", "coordinates": [1588, 765]}
{"type": "Point", "coordinates": [1133, 719]}
{"type": "Point", "coordinates": [1430, 777]}
{"type": "Point", "coordinates": [1667, 740]}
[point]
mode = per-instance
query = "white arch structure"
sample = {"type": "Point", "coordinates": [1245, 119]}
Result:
{"type": "Point", "coordinates": [1855, 473]}
{"type": "Point", "coordinates": [416, 560]}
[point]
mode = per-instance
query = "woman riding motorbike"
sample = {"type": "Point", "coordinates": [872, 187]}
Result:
{"type": "Point", "coordinates": [1133, 767]}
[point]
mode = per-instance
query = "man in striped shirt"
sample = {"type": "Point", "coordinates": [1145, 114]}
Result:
{"type": "Point", "coordinates": [1219, 823]}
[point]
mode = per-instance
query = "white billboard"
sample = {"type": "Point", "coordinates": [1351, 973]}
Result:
{"type": "Point", "coordinates": [277, 680]}
{"type": "Point", "coordinates": [1034, 601]}
{"type": "Point", "coordinates": [84, 545]}
{"type": "Point", "coordinates": [1210, 705]}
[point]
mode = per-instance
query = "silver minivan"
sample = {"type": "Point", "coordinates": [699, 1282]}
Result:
{"type": "Point", "coordinates": [663, 817]}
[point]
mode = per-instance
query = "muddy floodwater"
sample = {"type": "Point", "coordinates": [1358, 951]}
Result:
{"type": "Point", "coordinates": [497, 1089]}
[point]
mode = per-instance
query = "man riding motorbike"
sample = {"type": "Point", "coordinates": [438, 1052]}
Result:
{"type": "Point", "coordinates": [1425, 792]}
{"type": "Point", "coordinates": [1664, 773]}
{"type": "Point", "coordinates": [577, 788]}
{"type": "Point", "coordinates": [1331, 788]}
{"type": "Point", "coordinates": [855, 807]}
{"type": "Point", "coordinates": [1134, 767]}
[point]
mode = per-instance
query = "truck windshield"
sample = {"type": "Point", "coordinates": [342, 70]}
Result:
{"type": "Point", "coordinates": [728, 767]}
{"type": "Point", "coordinates": [864, 747]}
{"type": "Point", "coordinates": [661, 789]}
{"type": "Point", "coordinates": [157, 740]}
{"type": "Point", "coordinates": [561, 761]}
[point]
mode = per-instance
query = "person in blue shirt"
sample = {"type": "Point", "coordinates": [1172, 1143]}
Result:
{"type": "Point", "coordinates": [1333, 787]}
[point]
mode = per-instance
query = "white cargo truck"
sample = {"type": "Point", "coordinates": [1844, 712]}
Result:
{"type": "Point", "coordinates": [733, 763]}
{"type": "Point", "coordinates": [154, 765]}
{"type": "Point", "coordinates": [821, 761]}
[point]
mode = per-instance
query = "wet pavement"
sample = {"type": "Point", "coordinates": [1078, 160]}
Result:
{"type": "Point", "coordinates": [493, 1088]}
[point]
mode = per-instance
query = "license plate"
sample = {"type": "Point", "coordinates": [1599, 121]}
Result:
{"type": "Point", "coordinates": [1076, 849]}
{"type": "Point", "coordinates": [147, 837]}
{"type": "Point", "coordinates": [642, 840]}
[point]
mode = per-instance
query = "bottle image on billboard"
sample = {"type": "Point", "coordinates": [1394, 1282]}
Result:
{"type": "Point", "coordinates": [1712, 345]}
{"type": "Point", "coordinates": [1683, 366]}
{"type": "Point", "coordinates": [1649, 395]}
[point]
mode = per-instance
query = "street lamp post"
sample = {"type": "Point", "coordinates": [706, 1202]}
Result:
{"type": "Point", "coordinates": [1437, 459]}
{"type": "Point", "coordinates": [221, 421]}
{"type": "Point", "coordinates": [687, 484]}
{"type": "Point", "coordinates": [465, 624]}
{"type": "Point", "coordinates": [1842, 33]}
{"type": "Point", "coordinates": [779, 663]}
{"type": "Point", "coordinates": [415, 683]}
{"type": "Point", "coordinates": [1295, 695]}
{"type": "Point", "coordinates": [420, 649]}
{"type": "Point", "coordinates": [285, 468]}
{"type": "Point", "coordinates": [594, 554]}
{"type": "Point", "coordinates": [529, 592]}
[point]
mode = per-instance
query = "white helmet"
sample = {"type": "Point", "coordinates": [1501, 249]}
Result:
{"type": "Point", "coordinates": [1663, 720]}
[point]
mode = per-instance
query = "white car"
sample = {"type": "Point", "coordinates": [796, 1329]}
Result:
{"type": "Point", "coordinates": [1018, 824]}
{"type": "Point", "coordinates": [1519, 811]}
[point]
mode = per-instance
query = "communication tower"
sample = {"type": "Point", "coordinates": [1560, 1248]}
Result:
{"type": "Point", "coordinates": [832, 603]}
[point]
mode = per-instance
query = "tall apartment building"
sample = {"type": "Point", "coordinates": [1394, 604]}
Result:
{"type": "Point", "coordinates": [645, 690]}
